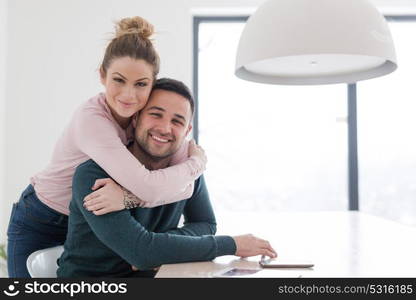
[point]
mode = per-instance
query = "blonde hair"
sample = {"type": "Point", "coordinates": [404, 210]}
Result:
{"type": "Point", "coordinates": [132, 39]}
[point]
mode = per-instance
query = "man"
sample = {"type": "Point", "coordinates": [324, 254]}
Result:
{"type": "Point", "coordinates": [109, 245]}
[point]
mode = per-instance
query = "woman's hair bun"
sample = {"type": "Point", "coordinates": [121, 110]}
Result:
{"type": "Point", "coordinates": [134, 25]}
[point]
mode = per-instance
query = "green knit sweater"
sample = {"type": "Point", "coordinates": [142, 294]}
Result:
{"type": "Point", "coordinates": [107, 245]}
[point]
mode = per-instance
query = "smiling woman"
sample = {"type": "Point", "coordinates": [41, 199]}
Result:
{"type": "Point", "coordinates": [129, 68]}
{"type": "Point", "coordinates": [128, 83]}
{"type": "Point", "coordinates": [100, 130]}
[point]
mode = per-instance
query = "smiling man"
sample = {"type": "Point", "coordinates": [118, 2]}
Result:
{"type": "Point", "coordinates": [109, 245]}
{"type": "Point", "coordinates": [162, 139]}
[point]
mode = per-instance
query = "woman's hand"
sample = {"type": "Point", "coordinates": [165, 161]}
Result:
{"type": "Point", "coordinates": [108, 197]}
{"type": "Point", "coordinates": [197, 151]}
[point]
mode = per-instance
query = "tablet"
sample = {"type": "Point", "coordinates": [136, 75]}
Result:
{"type": "Point", "coordinates": [278, 263]}
{"type": "Point", "coordinates": [236, 272]}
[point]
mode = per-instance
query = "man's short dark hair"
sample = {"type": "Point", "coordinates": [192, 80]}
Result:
{"type": "Point", "coordinates": [176, 86]}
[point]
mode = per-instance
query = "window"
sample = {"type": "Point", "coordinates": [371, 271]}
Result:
{"type": "Point", "coordinates": [269, 147]}
{"type": "Point", "coordinates": [386, 110]}
{"type": "Point", "coordinates": [285, 148]}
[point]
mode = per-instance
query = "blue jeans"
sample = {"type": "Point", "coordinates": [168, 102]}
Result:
{"type": "Point", "coordinates": [33, 226]}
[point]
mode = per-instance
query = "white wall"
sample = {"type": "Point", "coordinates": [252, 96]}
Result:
{"type": "Point", "coordinates": [4, 211]}
{"type": "Point", "coordinates": [54, 49]}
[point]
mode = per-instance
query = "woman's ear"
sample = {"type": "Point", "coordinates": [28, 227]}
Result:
{"type": "Point", "coordinates": [102, 76]}
{"type": "Point", "coordinates": [134, 119]}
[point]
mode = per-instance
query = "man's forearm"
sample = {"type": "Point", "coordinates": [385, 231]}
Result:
{"type": "Point", "coordinates": [120, 232]}
{"type": "Point", "coordinates": [124, 235]}
{"type": "Point", "coordinates": [146, 250]}
{"type": "Point", "coordinates": [195, 229]}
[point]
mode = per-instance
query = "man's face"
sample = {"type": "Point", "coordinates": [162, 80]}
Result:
{"type": "Point", "coordinates": [163, 123]}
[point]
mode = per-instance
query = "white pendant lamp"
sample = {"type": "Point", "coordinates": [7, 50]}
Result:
{"type": "Point", "coordinates": [307, 42]}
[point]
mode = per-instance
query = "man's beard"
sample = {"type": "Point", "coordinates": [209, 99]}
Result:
{"type": "Point", "coordinates": [143, 146]}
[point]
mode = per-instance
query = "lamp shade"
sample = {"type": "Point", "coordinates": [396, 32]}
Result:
{"type": "Point", "coordinates": [307, 42]}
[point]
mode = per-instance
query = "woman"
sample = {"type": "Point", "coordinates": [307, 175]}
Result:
{"type": "Point", "coordinates": [99, 130]}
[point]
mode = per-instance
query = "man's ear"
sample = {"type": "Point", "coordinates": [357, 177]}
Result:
{"type": "Point", "coordinates": [188, 130]}
{"type": "Point", "coordinates": [102, 76]}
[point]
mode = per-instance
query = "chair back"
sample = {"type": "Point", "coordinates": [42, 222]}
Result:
{"type": "Point", "coordinates": [43, 263]}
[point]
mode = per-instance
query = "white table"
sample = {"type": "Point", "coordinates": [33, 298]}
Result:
{"type": "Point", "coordinates": [340, 244]}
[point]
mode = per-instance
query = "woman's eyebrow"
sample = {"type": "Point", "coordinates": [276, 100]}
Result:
{"type": "Point", "coordinates": [121, 75]}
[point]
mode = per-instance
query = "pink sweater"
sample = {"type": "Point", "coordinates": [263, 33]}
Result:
{"type": "Point", "coordinates": [94, 134]}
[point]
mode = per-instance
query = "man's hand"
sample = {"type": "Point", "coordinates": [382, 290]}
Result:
{"type": "Point", "coordinates": [108, 197]}
{"type": "Point", "coordinates": [197, 151]}
{"type": "Point", "coordinates": [249, 245]}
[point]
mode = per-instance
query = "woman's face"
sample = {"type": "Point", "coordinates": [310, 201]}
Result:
{"type": "Point", "coordinates": [128, 83]}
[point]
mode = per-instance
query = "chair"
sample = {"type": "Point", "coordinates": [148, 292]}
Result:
{"type": "Point", "coordinates": [42, 263]}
